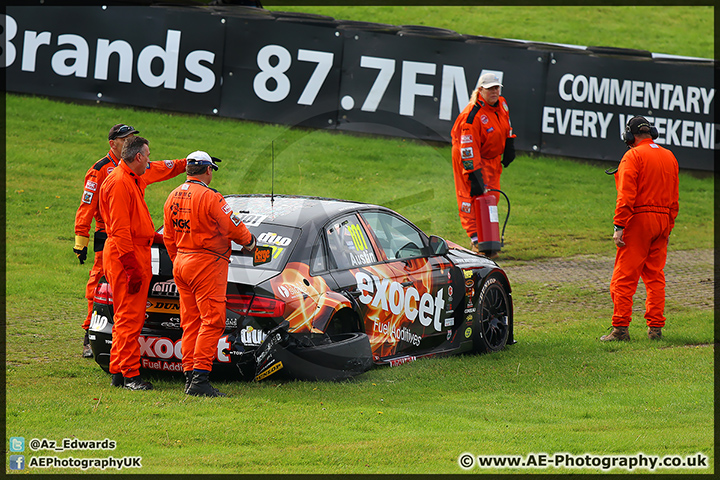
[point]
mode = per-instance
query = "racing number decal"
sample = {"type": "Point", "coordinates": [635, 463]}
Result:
{"type": "Point", "coordinates": [357, 237]}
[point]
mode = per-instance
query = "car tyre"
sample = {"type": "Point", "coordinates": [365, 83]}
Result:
{"type": "Point", "coordinates": [491, 326]}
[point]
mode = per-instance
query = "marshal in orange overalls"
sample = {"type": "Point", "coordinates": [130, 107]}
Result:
{"type": "Point", "coordinates": [647, 205]}
{"type": "Point", "coordinates": [89, 209]}
{"type": "Point", "coordinates": [478, 142]}
{"type": "Point", "coordinates": [199, 227]}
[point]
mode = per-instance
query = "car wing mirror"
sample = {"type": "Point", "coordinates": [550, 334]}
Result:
{"type": "Point", "coordinates": [438, 246]}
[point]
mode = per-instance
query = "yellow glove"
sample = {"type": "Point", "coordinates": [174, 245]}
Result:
{"type": "Point", "coordinates": [80, 248]}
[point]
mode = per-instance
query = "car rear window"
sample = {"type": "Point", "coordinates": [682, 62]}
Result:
{"type": "Point", "coordinates": [281, 238]}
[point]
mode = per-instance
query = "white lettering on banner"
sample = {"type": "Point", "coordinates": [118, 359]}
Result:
{"type": "Point", "coordinates": [576, 123]}
{"type": "Point", "coordinates": [283, 60]}
{"type": "Point", "coordinates": [75, 61]}
{"type": "Point", "coordinates": [684, 133]}
{"type": "Point", "coordinates": [391, 296]}
{"type": "Point", "coordinates": [635, 94]}
{"type": "Point", "coordinates": [410, 88]}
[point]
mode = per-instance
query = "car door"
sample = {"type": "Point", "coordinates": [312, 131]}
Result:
{"type": "Point", "coordinates": [403, 294]}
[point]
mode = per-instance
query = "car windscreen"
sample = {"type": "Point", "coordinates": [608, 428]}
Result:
{"type": "Point", "coordinates": [282, 239]}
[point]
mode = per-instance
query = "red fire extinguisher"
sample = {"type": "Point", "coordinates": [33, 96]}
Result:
{"type": "Point", "coordinates": [486, 217]}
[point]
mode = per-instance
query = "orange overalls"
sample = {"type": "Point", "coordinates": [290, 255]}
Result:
{"type": "Point", "coordinates": [647, 205]}
{"type": "Point", "coordinates": [199, 227]}
{"type": "Point", "coordinates": [89, 209]}
{"type": "Point", "coordinates": [478, 142]}
{"type": "Point", "coordinates": [130, 231]}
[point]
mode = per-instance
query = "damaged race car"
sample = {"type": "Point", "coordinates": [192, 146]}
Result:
{"type": "Point", "coordinates": [336, 288]}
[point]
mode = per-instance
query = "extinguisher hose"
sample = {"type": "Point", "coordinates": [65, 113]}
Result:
{"type": "Point", "coordinates": [507, 216]}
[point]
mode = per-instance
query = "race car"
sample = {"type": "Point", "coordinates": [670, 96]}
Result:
{"type": "Point", "coordinates": [334, 288]}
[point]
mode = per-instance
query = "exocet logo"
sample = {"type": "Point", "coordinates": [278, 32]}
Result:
{"type": "Point", "coordinates": [76, 59]}
{"type": "Point", "coordinates": [164, 348]}
{"type": "Point", "coordinates": [393, 297]}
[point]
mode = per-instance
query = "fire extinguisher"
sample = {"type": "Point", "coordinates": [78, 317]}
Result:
{"type": "Point", "coordinates": [486, 218]}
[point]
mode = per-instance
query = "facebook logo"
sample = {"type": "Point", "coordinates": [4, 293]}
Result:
{"type": "Point", "coordinates": [17, 444]}
{"type": "Point", "coordinates": [17, 462]}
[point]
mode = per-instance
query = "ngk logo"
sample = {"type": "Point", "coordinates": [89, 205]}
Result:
{"type": "Point", "coordinates": [162, 347]}
{"type": "Point", "coordinates": [393, 297]}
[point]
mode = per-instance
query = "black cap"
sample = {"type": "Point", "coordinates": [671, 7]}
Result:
{"type": "Point", "coordinates": [121, 131]}
{"type": "Point", "coordinates": [638, 122]}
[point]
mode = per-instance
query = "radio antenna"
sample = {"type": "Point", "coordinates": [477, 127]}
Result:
{"type": "Point", "coordinates": [272, 175]}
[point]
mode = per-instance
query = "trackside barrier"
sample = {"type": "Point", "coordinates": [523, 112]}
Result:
{"type": "Point", "coordinates": [312, 70]}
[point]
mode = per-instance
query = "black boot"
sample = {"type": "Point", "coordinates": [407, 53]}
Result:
{"type": "Point", "coordinates": [137, 383]}
{"type": "Point", "coordinates": [200, 385]}
{"type": "Point", "coordinates": [117, 380]}
{"type": "Point", "coordinates": [188, 379]}
{"type": "Point", "coordinates": [87, 351]}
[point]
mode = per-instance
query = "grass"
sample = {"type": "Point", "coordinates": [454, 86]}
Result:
{"type": "Point", "coordinates": [557, 390]}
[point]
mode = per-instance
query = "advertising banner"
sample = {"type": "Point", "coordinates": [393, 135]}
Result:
{"type": "Point", "coordinates": [359, 77]}
{"type": "Point", "coordinates": [589, 100]}
{"type": "Point", "coordinates": [144, 56]}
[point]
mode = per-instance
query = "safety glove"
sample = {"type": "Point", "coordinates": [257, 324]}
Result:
{"type": "Point", "coordinates": [477, 185]}
{"type": "Point", "coordinates": [80, 248]}
{"type": "Point", "coordinates": [133, 272]}
{"type": "Point", "coordinates": [509, 153]}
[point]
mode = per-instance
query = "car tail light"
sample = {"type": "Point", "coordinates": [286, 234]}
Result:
{"type": "Point", "coordinates": [103, 294]}
{"type": "Point", "coordinates": [255, 306]}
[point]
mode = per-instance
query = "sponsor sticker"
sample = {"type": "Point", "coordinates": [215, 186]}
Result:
{"type": "Point", "coordinates": [262, 255]}
{"type": "Point", "coordinates": [491, 129]}
{"type": "Point", "coordinates": [466, 152]}
{"type": "Point", "coordinates": [185, 186]}
{"type": "Point", "coordinates": [87, 197]}
{"type": "Point", "coordinates": [274, 368]}
{"type": "Point", "coordinates": [466, 138]}
{"type": "Point", "coordinates": [226, 209]}
{"type": "Point", "coordinates": [235, 219]}
{"type": "Point", "coordinates": [465, 207]}
{"type": "Point", "coordinates": [169, 163]}
{"type": "Point", "coordinates": [90, 185]}
{"type": "Point", "coordinates": [484, 119]}
{"type": "Point", "coordinates": [468, 332]}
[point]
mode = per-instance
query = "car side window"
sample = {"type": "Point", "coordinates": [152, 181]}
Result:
{"type": "Point", "coordinates": [348, 244]}
{"type": "Point", "coordinates": [318, 257]}
{"type": "Point", "coordinates": [396, 236]}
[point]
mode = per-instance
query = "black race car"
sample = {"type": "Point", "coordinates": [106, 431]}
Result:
{"type": "Point", "coordinates": [344, 285]}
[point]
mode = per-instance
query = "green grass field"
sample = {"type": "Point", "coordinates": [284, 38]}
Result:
{"type": "Point", "coordinates": [557, 390]}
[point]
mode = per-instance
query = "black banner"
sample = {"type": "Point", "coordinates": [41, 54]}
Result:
{"type": "Point", "coordinates": [356, 76]}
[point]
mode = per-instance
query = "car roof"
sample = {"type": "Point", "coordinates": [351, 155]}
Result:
{"type": "Point", "coordinates": [290, 210]}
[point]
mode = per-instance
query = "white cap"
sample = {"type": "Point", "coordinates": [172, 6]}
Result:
{"type": "Point", "coordinates": [488, 80]}
{"type": "Point", "coordinates": [199, 157]}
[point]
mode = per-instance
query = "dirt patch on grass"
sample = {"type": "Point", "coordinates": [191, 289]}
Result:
{"type": "Point", "coordinates": [689, 278]}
